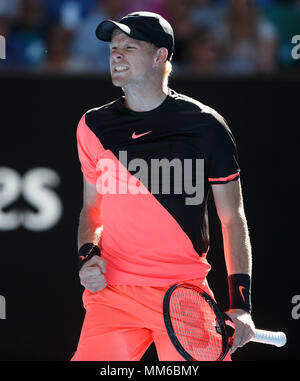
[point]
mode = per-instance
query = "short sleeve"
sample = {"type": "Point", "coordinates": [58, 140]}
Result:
{"type": "Point", "coordinates": [222, 158]}
{"type": "Point", "coordinates": [89, 148]}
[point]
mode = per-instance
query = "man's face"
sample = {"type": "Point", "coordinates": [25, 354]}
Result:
{"type": "Point", "coordinates": [131, 61]}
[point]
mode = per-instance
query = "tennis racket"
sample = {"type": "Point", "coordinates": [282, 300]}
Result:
{"type": "Point", "coordinates": [197, 327]}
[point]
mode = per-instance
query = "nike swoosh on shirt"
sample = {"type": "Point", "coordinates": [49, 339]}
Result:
{"type": "Point", "coordinates": [241, 288]}
{"type": "Point", "coordinates": [134, 136]}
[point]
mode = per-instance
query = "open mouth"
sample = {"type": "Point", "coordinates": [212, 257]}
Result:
{"type": "Point", "coordinates": [120, 69]}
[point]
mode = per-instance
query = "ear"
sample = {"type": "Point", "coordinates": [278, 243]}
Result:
{"type": "Point", "coordinates": [160, 57]}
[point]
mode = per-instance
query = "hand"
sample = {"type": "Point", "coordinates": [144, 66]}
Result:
{"type": "Point", "coordinates": [91, 274]}
{"type": "Point", "coordinates": [244, 327]}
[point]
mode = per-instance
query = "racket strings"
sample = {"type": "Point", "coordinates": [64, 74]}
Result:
{"type": "Point", "coordinates": [195, 325]}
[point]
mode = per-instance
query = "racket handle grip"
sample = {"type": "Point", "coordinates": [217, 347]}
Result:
{"type": "Point", "coordinates": [268, 337]}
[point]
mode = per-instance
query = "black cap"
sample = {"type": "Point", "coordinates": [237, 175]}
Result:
{"type": "Point", "coordinates": [143, 26]}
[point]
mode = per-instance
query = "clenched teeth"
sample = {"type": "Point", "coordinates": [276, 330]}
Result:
{"type": "Point", "coordinates": [121, 68]}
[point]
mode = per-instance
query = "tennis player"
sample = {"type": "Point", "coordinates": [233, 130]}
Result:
{"type": "Point", "coordinates": [136, 240]}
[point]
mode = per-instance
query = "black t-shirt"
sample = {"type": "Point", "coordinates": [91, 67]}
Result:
{"type": "Point", "coordinates": [190, 140]}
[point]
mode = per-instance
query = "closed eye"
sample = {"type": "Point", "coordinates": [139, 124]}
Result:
{"type": "Point", "coordinates": [113, 48]}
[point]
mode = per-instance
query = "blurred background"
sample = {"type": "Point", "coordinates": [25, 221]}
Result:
{"type": "Point", "coordinates": [239, 57]}
{"type": "Point", "coordinates": [213, 37]}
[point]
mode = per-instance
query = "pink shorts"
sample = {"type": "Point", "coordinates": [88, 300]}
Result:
{"type": "Point", "coordinates": [122, 321]}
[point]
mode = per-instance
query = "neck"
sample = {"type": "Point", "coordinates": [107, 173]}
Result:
{"type": "Point", "coordinates": [144, 98]}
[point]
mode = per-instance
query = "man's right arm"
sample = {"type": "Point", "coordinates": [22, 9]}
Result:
{"type": "Point", "coordinates": [90, 229]}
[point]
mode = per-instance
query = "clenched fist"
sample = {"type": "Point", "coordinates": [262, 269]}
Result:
{"type": "Point", "coordinates": [92, 274]}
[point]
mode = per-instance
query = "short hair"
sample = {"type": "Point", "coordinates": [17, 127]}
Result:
{"type": "Point", "coordinates": [167, 67]}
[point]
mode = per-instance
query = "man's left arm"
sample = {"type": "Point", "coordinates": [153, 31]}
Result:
{"type": "Point", "coordinates": [238, 257]}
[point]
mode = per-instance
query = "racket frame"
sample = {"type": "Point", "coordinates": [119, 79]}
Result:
{"type": "Point", "coordinates": [214, 306]}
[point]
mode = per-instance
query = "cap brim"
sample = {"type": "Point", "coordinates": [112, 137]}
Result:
{"type": "Point", "coordinates": [105, 29]}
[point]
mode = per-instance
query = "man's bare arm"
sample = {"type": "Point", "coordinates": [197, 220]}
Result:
{"type": "Point", "coordinates": [237, 249]}
{"type": "Point", "coordinates": [90, 220]}
{"type": "Point", "coordinates": [89, 231]}
{"type": "Point", "coordinates": [230, 208]}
